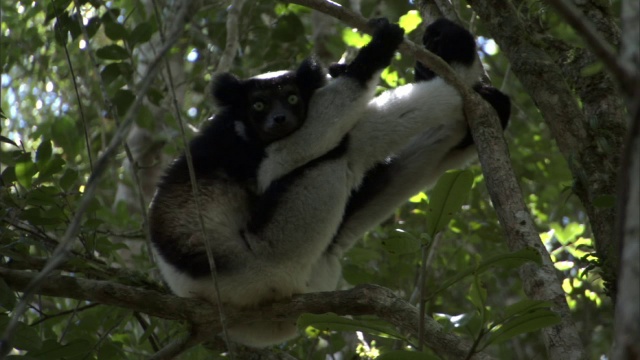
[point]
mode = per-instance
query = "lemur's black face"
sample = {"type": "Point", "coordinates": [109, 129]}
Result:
{"type": "Point", "coordinates": [275, 111]}
{"type": "Point", "coordinates": [268, 107]}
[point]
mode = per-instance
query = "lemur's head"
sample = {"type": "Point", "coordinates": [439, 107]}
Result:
{"type": "Point", "coordinates": [270, 106]}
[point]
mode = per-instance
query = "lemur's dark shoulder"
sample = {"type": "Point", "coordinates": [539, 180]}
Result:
{"type": "Point", "coordinates": [217, 151]}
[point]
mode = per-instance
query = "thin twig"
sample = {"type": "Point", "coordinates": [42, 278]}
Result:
{"type": "Point", "coordinates": [46, 317]}
{"type": "Point", "coordinates": [63, 36]}
{"type": "Point", "coordinates": [195, 191]}
{"type": "Point", "coordinates": [111, 109]}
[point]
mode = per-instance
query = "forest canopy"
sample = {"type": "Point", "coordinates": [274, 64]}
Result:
{"type": "Point", "coordinates": [530, 252]}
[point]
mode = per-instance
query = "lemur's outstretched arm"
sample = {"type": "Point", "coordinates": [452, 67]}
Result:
{"type": "Point", "coordinates": [426, 157]}
{"type": "Point", "coordinates": [334, 108]}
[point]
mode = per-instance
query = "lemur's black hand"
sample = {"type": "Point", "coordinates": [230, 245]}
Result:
{"type": "Point", "coordinates": [376, 55]}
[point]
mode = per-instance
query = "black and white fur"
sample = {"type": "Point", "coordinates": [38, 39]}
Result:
{"type": "Point", "coordinates": [265, 240]}
{"type": "Point", "coordinates": [281, 226]}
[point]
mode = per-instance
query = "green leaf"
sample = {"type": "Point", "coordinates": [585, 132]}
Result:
{"type": "Point", "coordinates": [333, 322]}
{"type": "Point", "coordinates": [446, 198]}
{"type": "Point", "coordinates": [141, 34]}
{"type": "Point", "coordinates": [43, 196]}
{"type": "Point", "coordinates": [93, 25]}
{"type": "Point", "coordinates": [406, 355]}
{"type": "Point", "coordinates": [288, 28]}
{"type": "Point", "coordinates": [64, 134]}
{"type": "Point", "coordinates": [155, 96]}
{"type": "Point", "coordinates": [115, 30]}
{"type": "Point", "coordinates": [110, 73]}
{"type": "Point", "coordinates": [68, 179]}
{"type": "Point", "coordinates": [353, 38]}
{"type": "Point", "coordinates": [112, 52]}
{"type": "Point", "coordinates": [26, 338]}
{"type": "Point", "coordinates": [525, 306]}
{"type": "Point", "coordinates": [36, 216]}
{"type": "Point", "coordinates": [401, 242]}
{"type": "Point", "coordinates": [123, 100]}
{"type": "Point", "coordinates": [7, 296]}
{"type": "Point", "coordinates": [50, 168]}
{"type": "Point", "coordinates": [530, 322]}
{"type": "Point", "coordinates": [24, 173]}
{"type": "Point", "coordinates": [145, 119]}
{"type": "Point", "coordinates": [43, 153]}
{"type": "Point", "coordinates": [8, 141]}
{"type": "Point", "coordinates": [567, 234]}
{"type": "Point", "coordinates": [9, 175]}
{"type": "Point", "coordinates": [52, 350]}
{"type": "Point", "coordinates": [509, 260]}
{"type": "Point", "coordinates": [477, 294]}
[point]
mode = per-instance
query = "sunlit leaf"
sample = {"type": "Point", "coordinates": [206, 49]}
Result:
{"type": "Point", "coordinates": [24, 173]}
{"type": "Point", "coordinates": [410, 21]}
{"type": "Point", "coordinates": [353, 38]}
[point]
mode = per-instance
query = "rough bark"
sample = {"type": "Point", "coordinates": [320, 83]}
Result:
{"type": "Point", "coordinates": [589, 138]}
{"type": "Point", "coordinates": [205, 322]}
{"type": "Point", "coordinates": [627, 318]}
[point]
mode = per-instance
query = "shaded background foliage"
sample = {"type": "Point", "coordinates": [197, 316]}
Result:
{"type": "Point", "coordinates": [56, 127]}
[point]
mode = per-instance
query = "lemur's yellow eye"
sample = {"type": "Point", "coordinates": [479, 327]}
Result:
{"type": "Point", "coordinates": [258, 106]}
{"type": "Point", "coordinates": [293, 99]}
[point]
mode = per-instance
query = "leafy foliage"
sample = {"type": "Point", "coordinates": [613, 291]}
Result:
{"type": "Point", "coordinates": [60, 112]}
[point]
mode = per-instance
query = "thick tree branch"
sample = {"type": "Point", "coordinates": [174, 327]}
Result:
{"type": "Point", "coordinates": [203, 317]}
{"type": "Point", "coordinates": [627, 317]}
{"type": "Point", "coordinates": [539, 282]}
{"type": "Point", "coordinates": [604, 125]}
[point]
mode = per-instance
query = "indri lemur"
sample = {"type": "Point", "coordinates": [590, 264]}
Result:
{"type": "Point", "coordinates": [293, 170]}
